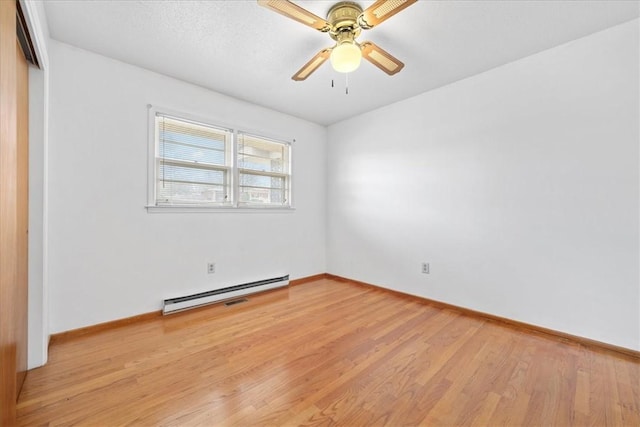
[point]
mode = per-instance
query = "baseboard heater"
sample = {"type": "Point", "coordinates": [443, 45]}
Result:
{"type": "Point", "coordinates": [173, 305]}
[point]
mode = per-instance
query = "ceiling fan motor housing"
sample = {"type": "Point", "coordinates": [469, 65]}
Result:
{"type": "Point", "coordinates": [343, 18]}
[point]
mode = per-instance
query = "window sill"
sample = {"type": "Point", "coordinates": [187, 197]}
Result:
{"type": "Point", "coordinates": [218, 209]}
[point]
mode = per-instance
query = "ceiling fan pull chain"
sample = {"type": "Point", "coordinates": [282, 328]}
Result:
{"type": "Point", "coordinates": [346, 83]}
{"type": "Point", "coordinates": [331, 82]}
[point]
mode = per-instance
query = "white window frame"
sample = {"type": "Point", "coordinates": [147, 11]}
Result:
{"type": "Point", "coordinates": [286, 177]}
{"type": "Point", "coordinates": [232, 206]}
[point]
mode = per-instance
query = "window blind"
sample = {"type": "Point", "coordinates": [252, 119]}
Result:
{"type": "Point", "coordinates": [193, 163]}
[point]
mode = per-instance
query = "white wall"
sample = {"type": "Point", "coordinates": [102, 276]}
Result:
{"type": "Point", "coordinates": [518, 185]}
{"type": "Point", "coordinates": [111, 259]}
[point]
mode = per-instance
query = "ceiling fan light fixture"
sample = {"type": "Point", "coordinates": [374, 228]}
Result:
{"type": "Point", "coordinates": [346, 57]}
{"type": "Point", "coordinates": [345, 21]}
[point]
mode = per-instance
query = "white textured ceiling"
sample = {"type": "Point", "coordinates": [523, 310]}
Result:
{"type": "Point", "coordinates": [246, 51]}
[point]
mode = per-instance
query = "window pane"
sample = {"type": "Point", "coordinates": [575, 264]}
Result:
{"type": "Point", "coordinates": [262, 164]}
{"type": "Point", "coordinates": [184, 150]}
{"type": "Point", "coordinates": [172, 130]}
{"type": "Point", "coordinates": [258, 189]}
{"type": "Point", "coordinates": [191, 154]}
{"type": "Point", "coordinates": [178, 192]}
{"type": "Point", "coordinates": [262, 195]}
{"type": "Point", "coordinates": [262, 155]}
{"type": "Point", "coordinates": [187, 174]}
{"type": "Point", "coordinates": [261, 181]}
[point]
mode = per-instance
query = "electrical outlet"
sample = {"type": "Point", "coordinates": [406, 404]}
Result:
{"type": "Point", "coordinates": [425, 268]}
{"type": "Point", "coordinates": [211, 267]}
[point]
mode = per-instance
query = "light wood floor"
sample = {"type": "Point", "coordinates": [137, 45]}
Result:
{"type": "Point", "coordinates": [328, 353]}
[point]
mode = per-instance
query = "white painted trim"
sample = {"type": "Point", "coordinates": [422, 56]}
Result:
{"type": "Point", "coordinates": [221, 209]}
{"type": "Point", "coordinates": [34, 22]}
{"type": "Point", "coordinates": [235, 179]}
{"type": "Point", "coordinates": [34, 25]}
{"type": "Point", "coordinates": [151, 154]}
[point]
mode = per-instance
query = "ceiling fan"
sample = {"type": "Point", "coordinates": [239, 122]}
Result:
{"type": "Point", "coordinates": [344, 23]}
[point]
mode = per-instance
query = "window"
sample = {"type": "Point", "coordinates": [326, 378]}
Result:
{"type": "Point", "coordinates": [196, 164]}
{"type": "Point", "coordinates": [263, 167]}
{"type": "Point", "coordinates": [193, 163]}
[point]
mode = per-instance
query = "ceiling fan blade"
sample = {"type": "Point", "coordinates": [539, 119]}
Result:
{"type": "Point", "coordinates": [297, 13]}
{"type": "Point", "coordinates": [312, 65]}
{"type": "Point", "coordinates": [380, 11]}
{"type": "Point", "coordinates": [381, 58]}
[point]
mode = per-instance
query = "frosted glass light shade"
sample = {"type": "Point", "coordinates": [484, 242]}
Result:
{"type": "Point", "coordinates": [346, 57]}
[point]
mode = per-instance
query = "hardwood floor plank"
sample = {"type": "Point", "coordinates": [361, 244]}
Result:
{"type": "Point", "coordinates": [327, 353]}
{"type": "Point", "coordinates": [487, 408]}
{"type": "Point", "coordinates": [629, 399]}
